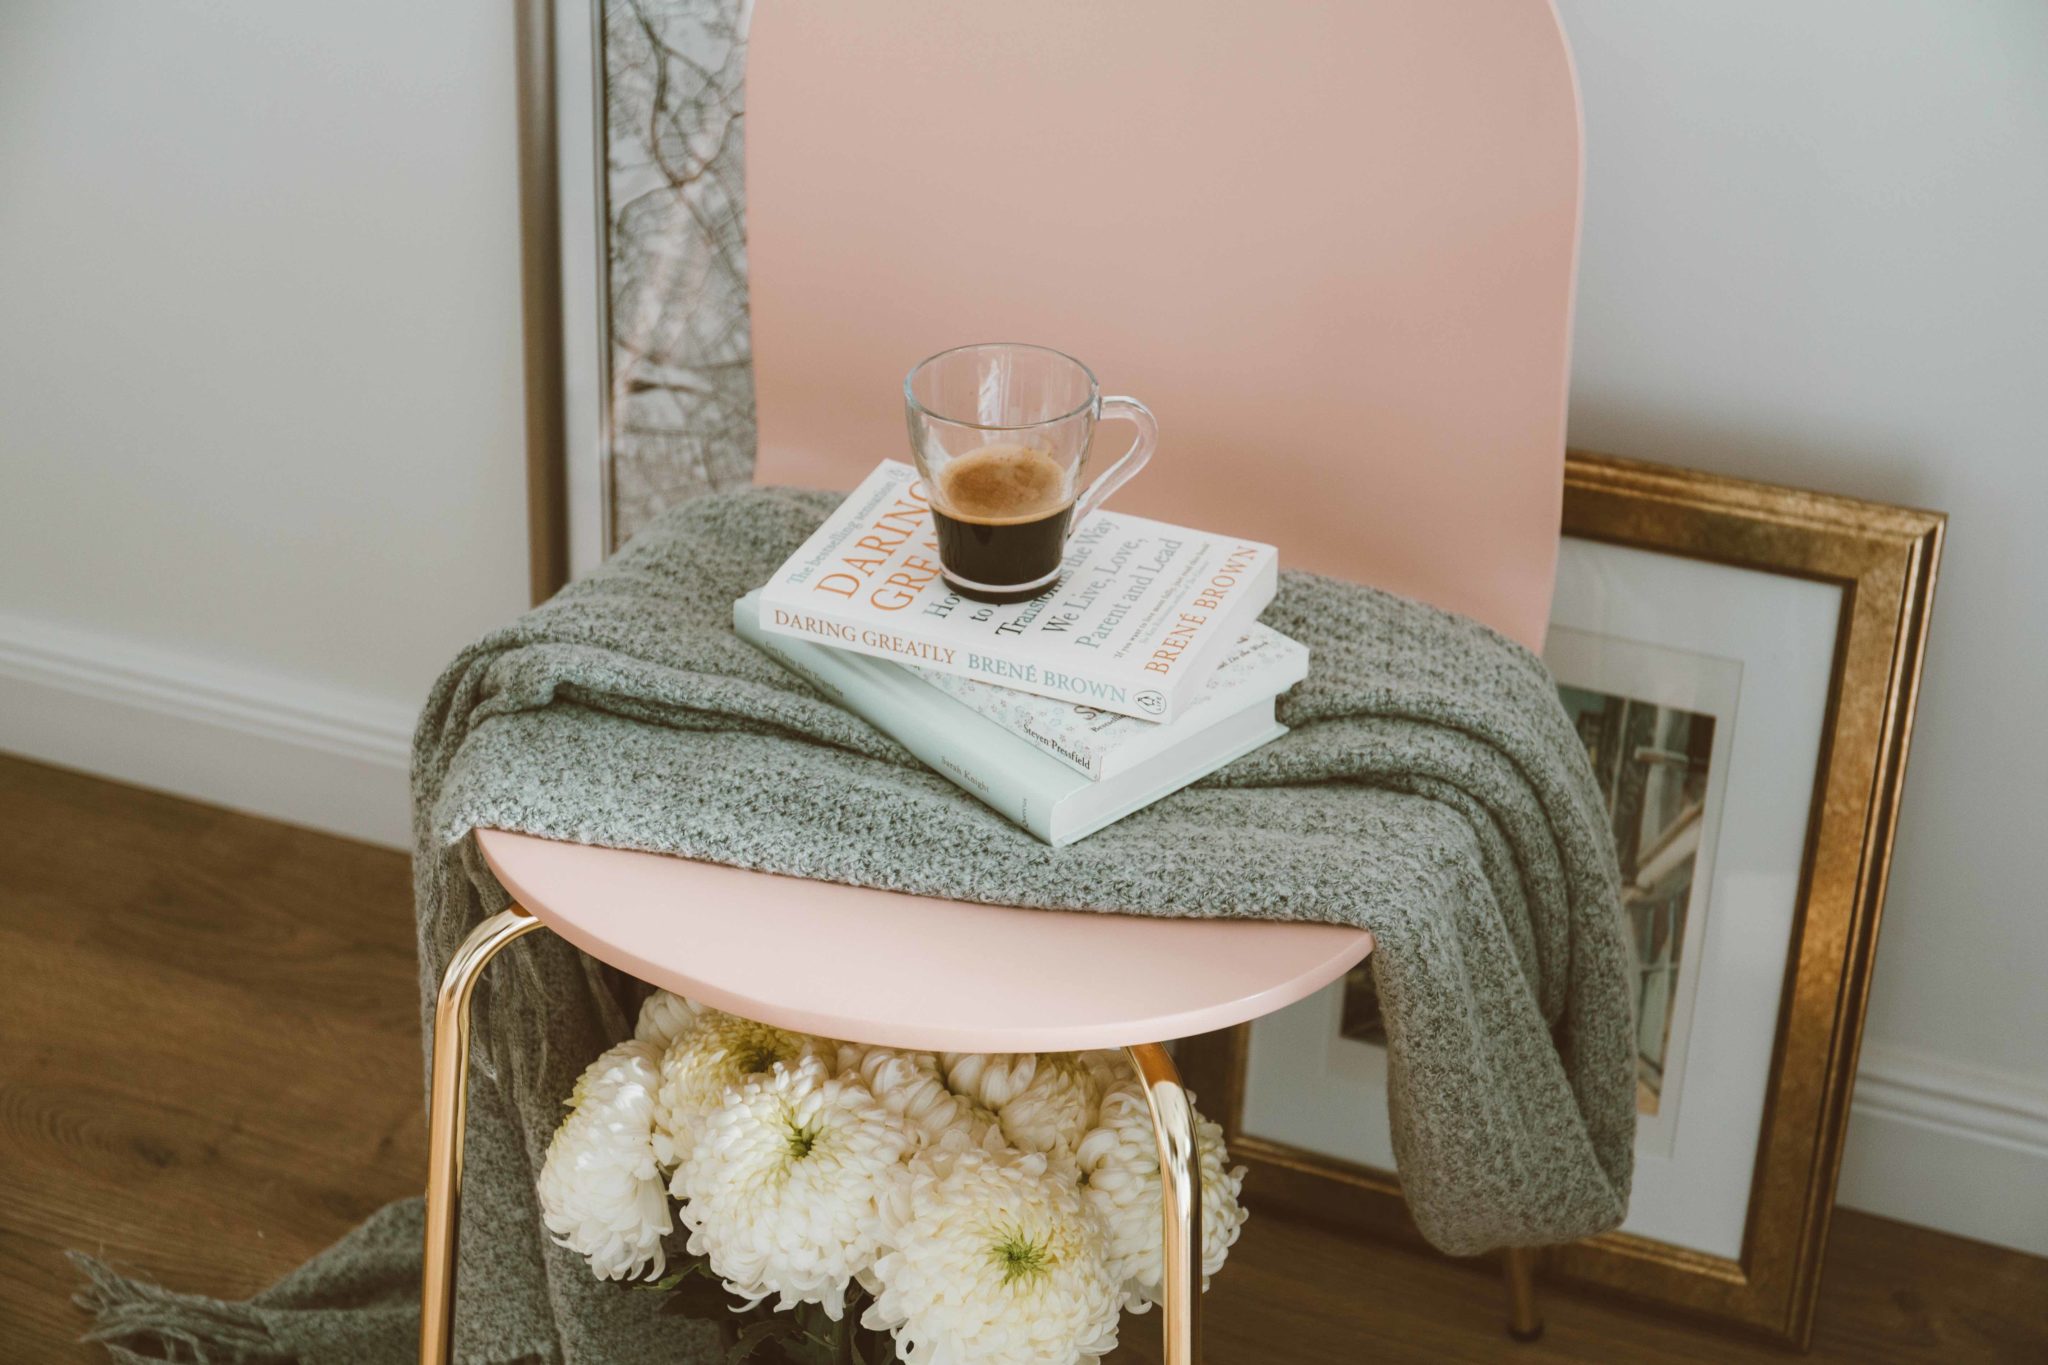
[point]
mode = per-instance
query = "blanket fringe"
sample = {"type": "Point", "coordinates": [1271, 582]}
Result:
{"type": "Point", "coordinates": [139, 1322]}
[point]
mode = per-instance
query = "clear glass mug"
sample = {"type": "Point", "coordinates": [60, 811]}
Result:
{"type": "Point", "coordinates": [1001, 433]}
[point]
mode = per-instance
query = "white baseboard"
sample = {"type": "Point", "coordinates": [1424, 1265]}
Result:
{"type": "Point", "coordinates": [273, 746]}
{"type": "Point", "coordinates": [1931, 1141]}
{"type": "Point", "coordinates": [1950, 1146]}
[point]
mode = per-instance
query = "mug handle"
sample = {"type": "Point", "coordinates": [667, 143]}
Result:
{"type": "Point", "coordinates": [1129, 463]}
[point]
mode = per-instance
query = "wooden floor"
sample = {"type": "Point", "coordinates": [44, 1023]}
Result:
{"type": "Point", "coordinates": [209, 1069]}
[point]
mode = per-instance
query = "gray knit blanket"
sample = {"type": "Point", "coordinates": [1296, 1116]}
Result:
{"type": "Point", "coordinates": [1431, 790]}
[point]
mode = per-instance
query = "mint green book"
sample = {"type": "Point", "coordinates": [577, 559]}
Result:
{"type": "Point", "coordinates": [1012, 776]}
{"type": "Point", "coordinates": [1103, 744]}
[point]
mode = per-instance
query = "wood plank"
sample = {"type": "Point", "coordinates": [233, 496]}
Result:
{"type": "Point", "coordinates": [209, 1069]}
{"type": "Point", "coordinates": [209, 1045]}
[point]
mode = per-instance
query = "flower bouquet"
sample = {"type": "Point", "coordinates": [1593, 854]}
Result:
{"type": "Point", "coordinates": [844, 1203]}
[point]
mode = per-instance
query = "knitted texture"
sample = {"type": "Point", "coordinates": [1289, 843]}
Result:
{"type": "Point", "coordinates": [1431, 790]}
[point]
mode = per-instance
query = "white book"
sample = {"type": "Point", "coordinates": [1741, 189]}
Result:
{"type": "Point", "coordinates": [1102, 744]}
{"type": "Point", "coordinates": [1142, 613]}
{"type": "Point", "coordinates": [1012, 776]}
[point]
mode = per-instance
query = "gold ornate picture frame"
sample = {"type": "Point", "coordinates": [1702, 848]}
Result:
{"type": "Point", "coordinates": [1876, 564]}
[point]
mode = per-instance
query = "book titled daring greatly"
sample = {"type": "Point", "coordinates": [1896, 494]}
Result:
{"type": "Point", "coordinates": [1142, 614]}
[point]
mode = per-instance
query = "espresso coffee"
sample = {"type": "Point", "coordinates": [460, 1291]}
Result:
{"type": "Point", "coordinates": [1001, 512]}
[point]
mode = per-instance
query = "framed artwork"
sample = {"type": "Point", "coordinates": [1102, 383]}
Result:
{"type": "Point", "coordinates": [1741, 661]}
{"type": "Point", "coordinates": [638, 364]}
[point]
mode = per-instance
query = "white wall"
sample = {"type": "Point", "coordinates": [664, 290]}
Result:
{"type": "Point", "coordinates": [1816, 252]}
{"type": "Point", "coordinates": [260, 416]}
{"type": "Point", "coordinates": [260, 449]}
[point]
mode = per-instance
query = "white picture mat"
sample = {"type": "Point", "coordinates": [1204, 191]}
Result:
{"type": "Point", "coordinates": [1703, 685]}
{"type": "Point", "coordinates": [1308, 1087]}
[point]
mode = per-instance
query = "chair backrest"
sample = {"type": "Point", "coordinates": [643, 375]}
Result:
{"type": "Point", "coordinates": [1331, 245]}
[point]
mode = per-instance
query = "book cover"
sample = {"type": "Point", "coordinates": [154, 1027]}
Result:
{"type": "Point", "coordinates": [1258, 667]}
{"type": "Point", "coordinates": [1141, 615]}
{"type": "Point", "coordinates": [1009, 774]}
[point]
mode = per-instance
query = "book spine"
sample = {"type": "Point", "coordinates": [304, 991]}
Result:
{"type": "Point", "coordinates": [1005, 664]}
{"type": "Point", "coordinates": [943, 734]}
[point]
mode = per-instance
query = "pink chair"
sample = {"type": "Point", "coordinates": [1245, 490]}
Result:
{"type": "Point", "coordinates": [1331, 246]}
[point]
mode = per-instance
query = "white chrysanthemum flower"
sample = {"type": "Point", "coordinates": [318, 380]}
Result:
{"type": "Point", "coordinates": [846, 1056]}
{"type": "Point", "coordinates": [911, 1086]}
{"type": "Point", "coordinates": [1046, 1102]}
{"type": "Point", "coordinates": [1119, 1164]}
{"type": "Point", "coordinates": [781, 1188]}
{"type": "Point", "coordinates": [600, 1191]}
{"type": "Point", "coordinates": [992, 1079]}
{"type": "Point", "coordinates": [1058, 1107]}
{"type": "Point", "coordinates": [989, 1260]}
{"type": "Point", "coordinates": [717, 1054]}
{"type": "Point", "coordinates": [665, 1017]}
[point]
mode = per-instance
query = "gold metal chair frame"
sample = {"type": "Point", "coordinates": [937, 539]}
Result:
{"type": "Point", "coordinates": [1173, 1122]}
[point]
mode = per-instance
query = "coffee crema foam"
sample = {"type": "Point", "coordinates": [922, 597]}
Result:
{"type": "Point", "coordinates": [1003, 484]}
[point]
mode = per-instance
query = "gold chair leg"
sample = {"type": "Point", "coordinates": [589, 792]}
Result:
{"type": "Point", "coordinates": [1180, 1174]}
{"type": "Point", "coordinates": [1518, 1265]}
{"type": "Point", "coordinates": [447, 1119]}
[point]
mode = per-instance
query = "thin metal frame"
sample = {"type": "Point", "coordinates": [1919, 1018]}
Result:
{"type": "Point", "coordinates": [1173, 1124]}
{"type": "Point", "coordinates": [540, 301]}
{"type": "Point", "coordinates": [448, 1124]}
{"type": "Point", "coordinates": [1180, 1205]}
{"type": "Point", "coordinates": [564, 290]}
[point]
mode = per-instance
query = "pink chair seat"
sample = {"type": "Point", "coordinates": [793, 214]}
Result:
{"type": "Point", "coordinates": [913, 971]}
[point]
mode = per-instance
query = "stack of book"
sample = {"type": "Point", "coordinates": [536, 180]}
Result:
{"type": "Point", "coordinates": [1143, 669]}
